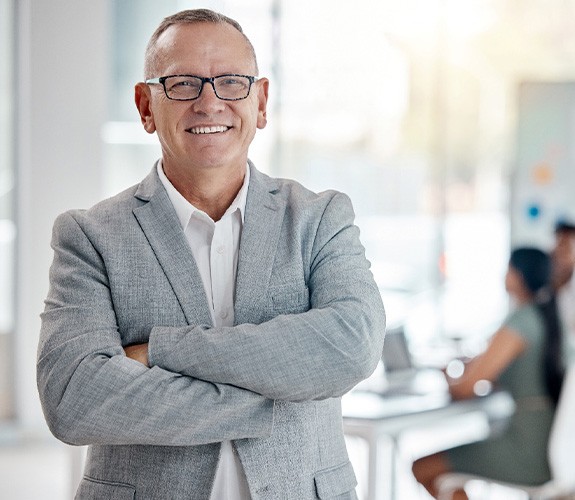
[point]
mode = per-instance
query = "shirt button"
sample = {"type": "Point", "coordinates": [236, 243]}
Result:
{"type": "Point", "coordinates": [220, 250]}
{"type": "Point", "coordinates": [223, 314]}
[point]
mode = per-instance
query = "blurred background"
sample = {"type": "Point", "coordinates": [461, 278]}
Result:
{"type": "Point", "coordinates": [449, 123]}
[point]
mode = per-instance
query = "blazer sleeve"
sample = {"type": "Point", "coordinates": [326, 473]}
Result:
{"type": "Point", "coordinates": [317, 354]}
{"type": "Point", "coordinates": [91, 393]}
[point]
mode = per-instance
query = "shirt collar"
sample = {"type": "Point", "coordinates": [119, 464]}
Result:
{"type": "Point", "coordinates": [184, 209]}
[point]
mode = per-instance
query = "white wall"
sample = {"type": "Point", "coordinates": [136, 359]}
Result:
{"type": "Point", "coordinates": [62, 73]}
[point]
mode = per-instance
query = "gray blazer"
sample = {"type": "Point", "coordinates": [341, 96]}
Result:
{"type": "Point", "coordinates": [309, 326]}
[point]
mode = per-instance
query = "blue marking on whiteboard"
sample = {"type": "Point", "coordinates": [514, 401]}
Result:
{"type": "Point", "coordinates": [533, 211]}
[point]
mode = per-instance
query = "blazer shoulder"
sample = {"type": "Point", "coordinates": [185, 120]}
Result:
{"type": "Point", "coordinates": [328, 203]}
{"type": "Point", "coordinates": [113, 214]}
{"type": "Point", "coordinates": [297, 194]}
{"type": "Point", "coordinates": [308, 207]}
{"type": "Point", "coordinates": [115, 207]}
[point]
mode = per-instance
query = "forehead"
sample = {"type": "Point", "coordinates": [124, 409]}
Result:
{"type": "Point", "coordinates": [203, 48]}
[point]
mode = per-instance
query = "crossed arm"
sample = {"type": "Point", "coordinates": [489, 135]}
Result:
{"type": "Point", "coordinates": [93, 391]}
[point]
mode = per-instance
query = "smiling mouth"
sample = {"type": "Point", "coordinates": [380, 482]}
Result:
{"type": "Point", "coordinates": [208, 130]}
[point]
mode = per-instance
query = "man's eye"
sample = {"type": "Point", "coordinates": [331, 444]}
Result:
{"type": "Point", "coordinates": [183, 85]}
{"type": "Point", "coordinates": [234, 82]}
{"type": "Point", "coordinates": [186, 83]}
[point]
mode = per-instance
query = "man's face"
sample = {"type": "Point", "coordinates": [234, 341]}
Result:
{"type": "Point", "coordinates": [207, 50]}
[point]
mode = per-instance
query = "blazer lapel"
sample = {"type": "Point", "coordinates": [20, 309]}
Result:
{"type": "Point", "coordinates": [260, 234]}
{"type": "Point", "coordinates": [160, 224]}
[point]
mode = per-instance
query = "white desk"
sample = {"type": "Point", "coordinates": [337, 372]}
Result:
{"type": "Point", "coordinates": [381, 420]}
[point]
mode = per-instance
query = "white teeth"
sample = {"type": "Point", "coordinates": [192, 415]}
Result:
{"type": "Point", "coordinates": [208, 130]}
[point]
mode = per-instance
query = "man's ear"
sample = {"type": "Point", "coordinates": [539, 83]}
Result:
{"type": "Point", "coordinates": [143, 98]}
{"type": "Point", "coordinates": [262, 87]}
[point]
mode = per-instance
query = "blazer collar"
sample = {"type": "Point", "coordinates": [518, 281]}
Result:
{"type": "Point", "coordinates": [160, 224]}
{"type": "Point", "coordinates": [264, 214]}
{"type": "Point", "coordinates": [265, 209]}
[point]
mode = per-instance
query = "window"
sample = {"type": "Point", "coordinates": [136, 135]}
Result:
{"type": "Point", "coordinates": [409, 107]}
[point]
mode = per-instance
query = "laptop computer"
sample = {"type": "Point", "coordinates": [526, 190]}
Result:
{"type": "Point", "coordinates": [402, 375]}
{"type": "Point", "coordinates": [396, 356]}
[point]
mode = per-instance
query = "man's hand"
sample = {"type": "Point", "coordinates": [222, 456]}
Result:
{"type": "Point", "coordinates": [139, 352]}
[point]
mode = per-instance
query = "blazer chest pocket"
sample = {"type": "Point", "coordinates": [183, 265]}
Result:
{"type": "Point", "coordinates": [96, 489]}
{"type": "Point", "coordinates": [336, 482]}
{"type": "Point", "coordinates": [289, 300]}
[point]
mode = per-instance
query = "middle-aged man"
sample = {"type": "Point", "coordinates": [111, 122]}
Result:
{"type": "Point", "coordinates": [201, 326]}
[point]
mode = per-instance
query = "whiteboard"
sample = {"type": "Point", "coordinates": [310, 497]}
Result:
{"type": "Point", "coordinates": [543, 182]}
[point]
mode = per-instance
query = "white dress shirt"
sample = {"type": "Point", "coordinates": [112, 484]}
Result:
{"type": "Point", "coordinates": [215, 248]}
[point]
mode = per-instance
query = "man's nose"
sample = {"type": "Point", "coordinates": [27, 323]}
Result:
{"type": "Point", "coordinates": [208, 98]}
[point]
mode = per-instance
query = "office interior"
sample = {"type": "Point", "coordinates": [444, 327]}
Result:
{"type": "Point", "coordinates": [448, 122]}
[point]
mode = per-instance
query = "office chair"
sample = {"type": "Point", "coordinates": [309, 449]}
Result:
{"type": "Point", "coordinates": [561, 450]}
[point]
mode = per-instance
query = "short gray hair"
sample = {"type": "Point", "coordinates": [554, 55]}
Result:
{"type": "Point", "coordinates": [189, 17]}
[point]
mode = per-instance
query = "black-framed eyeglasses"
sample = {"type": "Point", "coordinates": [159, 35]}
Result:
{"type": "Point", "coordinates": [189, 87]}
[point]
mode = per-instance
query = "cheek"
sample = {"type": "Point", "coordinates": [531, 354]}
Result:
{"type": "Point", "coordinates": [249, 123]}
{"type": "Point", "coordinates": [510, 281]}
{"type": "Point", "coordinates": [250, 132]}
{"type": "Point", "coordinates": [167, 124]}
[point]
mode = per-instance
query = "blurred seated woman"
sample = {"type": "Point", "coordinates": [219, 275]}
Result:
{"type": "Point", "coordinates": [524, 358]}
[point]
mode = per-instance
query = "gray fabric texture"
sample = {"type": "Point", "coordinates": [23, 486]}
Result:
{"type": "Point", "coordinates": [309, 326]}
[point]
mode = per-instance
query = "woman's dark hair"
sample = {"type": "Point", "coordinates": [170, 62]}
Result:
{"type": "Point", "coordinates": [534, 266]}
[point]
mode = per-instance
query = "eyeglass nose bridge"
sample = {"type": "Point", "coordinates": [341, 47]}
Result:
{"type": "Point", "coordinates": [211, 80]}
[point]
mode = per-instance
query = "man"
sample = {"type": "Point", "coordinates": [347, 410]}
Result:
{"type": "Point", "coordinates": [564, 284]}
{"type": "Point", "coordinates": [201, 326]}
